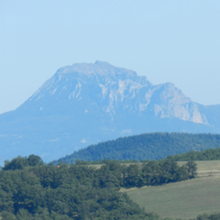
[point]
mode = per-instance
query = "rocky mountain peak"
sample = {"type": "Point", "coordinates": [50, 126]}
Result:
{"type": "Point", "coordinates": [86, 103]}
{"type": "Point", "coordinates": [98, 68]}
{"type": "Point", "coordinates": [112, 91]}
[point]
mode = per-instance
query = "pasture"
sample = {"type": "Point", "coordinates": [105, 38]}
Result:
{"type": "Point", "coordinates": [186, 199]}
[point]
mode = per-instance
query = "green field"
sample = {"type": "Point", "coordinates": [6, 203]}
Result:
{"type": "Point", "coordinates": [186, 199]}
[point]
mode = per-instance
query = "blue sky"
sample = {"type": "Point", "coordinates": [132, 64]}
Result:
{"type": "Point", "coordinates": [167, 41]}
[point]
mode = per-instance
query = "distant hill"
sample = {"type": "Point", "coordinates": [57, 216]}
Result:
{"type": "Point", "coordinates": [86, 103]}
{"type": "Point", "coordinates": [152, 146]}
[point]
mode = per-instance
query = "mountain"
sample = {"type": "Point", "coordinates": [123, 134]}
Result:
{"type": "Point", "coordinates": [84, 104]}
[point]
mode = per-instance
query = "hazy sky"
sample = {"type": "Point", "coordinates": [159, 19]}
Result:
{"type": "Point", "coordinates": [167, 41]}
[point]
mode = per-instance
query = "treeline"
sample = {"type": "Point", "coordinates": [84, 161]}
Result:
{"type": "Point", "coordinates": [30, 189]}
{"type": "Point", "coordinates": [147, 173]}
{"type": "Point", "coordinates": [209, 217]}
{"type": "Point", "coordinates": [209, 154]}
{"type": "Point", "coordinates": [152, 146]}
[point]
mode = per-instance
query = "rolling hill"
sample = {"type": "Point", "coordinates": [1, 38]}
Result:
{"type": "Point", "coordinates": [152, 146]}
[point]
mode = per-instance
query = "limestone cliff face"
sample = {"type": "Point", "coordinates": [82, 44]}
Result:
{"type": "Point", "coordinates": [173, 103]}
{"type": "Point", "coordinates": [112, 91]}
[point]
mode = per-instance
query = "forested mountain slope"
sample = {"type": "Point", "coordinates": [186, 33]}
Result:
{"type": "Point", "coordinates": [152, 146]}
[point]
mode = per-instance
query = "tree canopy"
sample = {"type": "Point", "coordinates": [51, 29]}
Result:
{"type": "Point", "coordinates": [30, 189]}
{"type": "Point", "coordinates": [152, 146]}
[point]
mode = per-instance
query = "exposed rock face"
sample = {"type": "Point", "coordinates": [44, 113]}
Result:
{"type": "Point", "coordinates": [172, 102]}
{"type": "Point", "coordinates": [112, 91]}
{"type": "Point", "coordinates": [88, 103]}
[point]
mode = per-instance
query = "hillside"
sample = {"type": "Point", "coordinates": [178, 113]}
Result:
{"type": "Point", "coordinates": [86, 104]}
{"type": "Point", "coordinates": [29, 189]}
{"type": "Point", "coordinates": [182, 200]}
{"type": "Point", "coordinates": [151, 146]}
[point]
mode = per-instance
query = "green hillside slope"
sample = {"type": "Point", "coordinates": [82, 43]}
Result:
{"type": "Point", "coordinates": [150, 146]}
{"type": "Point", "coordinates": [30, 189]}
{"type": "Point", "coordinates": [186, 199]}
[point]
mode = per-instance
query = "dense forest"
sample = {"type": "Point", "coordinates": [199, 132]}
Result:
{"type": "Point", "coordinates": [152, 146]}
{"type": "Point", "coordinates": [30, 189]}
{"type": "Point", "coordinates": [209, 154]}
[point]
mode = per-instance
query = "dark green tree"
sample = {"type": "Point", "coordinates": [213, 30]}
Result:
{"type": "Point", "coordinates": [191, 167]}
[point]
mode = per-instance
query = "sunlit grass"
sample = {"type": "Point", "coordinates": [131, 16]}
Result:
{"type": "Point", "coordinates": [186, 199]}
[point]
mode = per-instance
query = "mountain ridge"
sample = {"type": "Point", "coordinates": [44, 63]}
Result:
{"type": "Point", "coordinates": [149, 146]}
{"type": "Point", "coordinates": [115, 94]}
{"type": "Point", "coordinates": [85, 104]}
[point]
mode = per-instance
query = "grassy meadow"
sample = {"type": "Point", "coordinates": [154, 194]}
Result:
{"type": "Point", "coordinates": [186, 199]}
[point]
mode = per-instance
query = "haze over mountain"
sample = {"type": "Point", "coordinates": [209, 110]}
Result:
{"type": "Point", "coordinates": [85, 104]}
